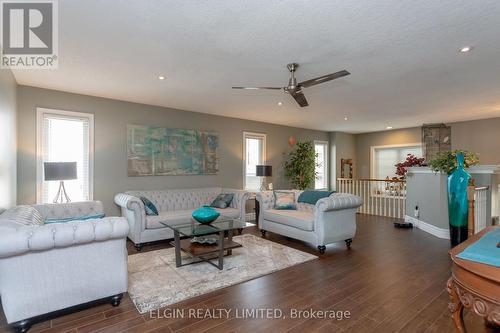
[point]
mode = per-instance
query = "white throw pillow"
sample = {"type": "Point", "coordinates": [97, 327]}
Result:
{"type": "Point", "coordinates": [23, 214]}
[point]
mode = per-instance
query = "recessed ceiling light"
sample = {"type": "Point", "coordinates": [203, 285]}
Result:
{"type": "Point", "coordinates": [280, 103]}
{"type": "Point", "coordinates": [345, 118]}
{"type": "Point", "coordinates": [389, 127]}
{"type": "Point", "coordinates": [161, 77]}
{"type": "Point", "coordinates": [465, 49]}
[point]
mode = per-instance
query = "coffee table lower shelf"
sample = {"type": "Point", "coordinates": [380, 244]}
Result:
{"type": "Point", "coordinates": [204, 252]}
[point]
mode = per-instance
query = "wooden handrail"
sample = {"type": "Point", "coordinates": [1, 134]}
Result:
{"type": "Point", "coordinates": [471, 188]}
{"type": "Point", "coordinates": [375, 180]}
{"type": "Point", "coordinates": [481, 188]}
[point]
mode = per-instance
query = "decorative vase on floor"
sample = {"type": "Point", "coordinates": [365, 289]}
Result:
{"type": "Point", "coordinates": [457, 202]}
{"type": "Point", "coordinates": [205, 215]}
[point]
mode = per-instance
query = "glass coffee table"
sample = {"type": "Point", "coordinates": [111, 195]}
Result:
{"type": "Point", "coordinates": [223, 229]}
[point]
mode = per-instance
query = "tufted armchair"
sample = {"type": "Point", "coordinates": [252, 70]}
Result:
{"type": "Point", "coordinates": [47, 268]}
{"type": "Point", "coordinates": [174, 207]}
{"type": "Point", "coordinates": [330, 220]}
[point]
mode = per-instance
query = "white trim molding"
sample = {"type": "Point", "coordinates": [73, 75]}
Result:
{"type": "Point", "coordinates": [40, 112]}
{"type": "Point", "coordinates": [327, 156]}
{"type": "Point", "coordinates": [483, 169]}
{"type": "Point", "coordinates": [252, 135]}
{"type": "Point", "coordinates": [429, 228]}
{"type": "Point", "coordinates": [373, 148]}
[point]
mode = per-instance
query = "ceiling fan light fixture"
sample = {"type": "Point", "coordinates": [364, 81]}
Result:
{"type": "Point", "coordinates": [280, 103]}
{"type": "Point", "coordinates": [161, 77]}
{"type": "Point", "coordinates": [345, 118]}
{"type": "Point", "coordinates": [465, 49]}
{"type": "Point", "coordinates": [389, 127]}
{"type": "Point", "coordinates": [294, 88]}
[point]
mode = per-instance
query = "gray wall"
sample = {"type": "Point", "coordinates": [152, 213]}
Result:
{"type": "Point", "coordinates": [365, 141]}
{"type": "Point", "coordinates": [478, 136]}
{"type": "Point", "coordinates": [8, 88]}
{"type": "Point", "coordinates": [342, 146]}
{"type": "Point", "coordinates": [429, 192]}
{"type": "Point", "coordinates": [110, 165]}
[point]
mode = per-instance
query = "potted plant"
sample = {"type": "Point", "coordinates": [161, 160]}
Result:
{"type": "Point", "coordinates": [453, 163]}
{"type": "Point", "coordinates": [300, 167]}
{"type": "Point", "coordinates": [447, 161]}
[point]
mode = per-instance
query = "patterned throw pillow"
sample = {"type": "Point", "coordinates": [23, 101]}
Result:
{"type": "Point", "coordinates": [284, 200]}
{"type": "Point", "coordinates": [223, 200]}
{"type": "Point", "coordinates": [24, 214]}
{"type": "Point", "coordinates": [149, 207]}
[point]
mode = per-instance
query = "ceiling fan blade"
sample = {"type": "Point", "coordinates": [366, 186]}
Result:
{"type": "Point", "coordinates": [300, 98]}
{"type": "Point", "coordinates": [324, 78]}
{"type": "Point", "coordinates": [257, 88]}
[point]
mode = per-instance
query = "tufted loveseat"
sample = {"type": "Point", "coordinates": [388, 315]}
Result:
{"type": "Point", "coordinates": [174, 207]}
{"type": "Point", "coordinates": [330, 220]}
{"type": "Point", "coordinates": [48, 268]}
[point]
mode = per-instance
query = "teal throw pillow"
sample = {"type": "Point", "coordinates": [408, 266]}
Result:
{"type": "Point", "coordinates": [77, 218]}
{"type": "Point", "coordinates": [284, 200]}
{"type": "Point", "coordinates": [311, 197]}
{"type": "Point", "coordinates": [149, 207]}
{"type": "Point", "coordinates": [223, 200]}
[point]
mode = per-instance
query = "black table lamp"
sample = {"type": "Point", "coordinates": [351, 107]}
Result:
{"type": "Point", "coordinates": [264, 171]}
{"type": "Point", "coordinates": [60, 171]}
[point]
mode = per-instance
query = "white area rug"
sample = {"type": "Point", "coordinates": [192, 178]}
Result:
{"type": "Point", "coordinates": [155, 282]}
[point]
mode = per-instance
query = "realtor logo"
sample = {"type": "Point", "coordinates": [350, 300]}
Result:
{"type": "Point", "coordinates": [29, 34]}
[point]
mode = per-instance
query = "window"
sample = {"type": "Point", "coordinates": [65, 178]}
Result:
{"type": "Point", "coordinates": [254, 153]}
{"type": "Point", "coordinates": [384, 158]}
{"type": "Point", "coordinates": [321, 149]}
{"type": "Point", "coordinates": [64, 136]}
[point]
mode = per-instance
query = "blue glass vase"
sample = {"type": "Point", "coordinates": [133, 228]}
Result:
{"type": "Point", "coordinates": [205, 215]}
{"type": "Point", "coordinates": [457, 202]}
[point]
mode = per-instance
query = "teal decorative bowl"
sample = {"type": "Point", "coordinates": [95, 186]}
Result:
{"type": "Point", "coordinates": [205, 215]}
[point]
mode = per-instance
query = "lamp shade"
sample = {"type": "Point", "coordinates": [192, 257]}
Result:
{"type": "Point", "coordinates": [59, 170]}
{"type": "Point", "coordinates": [264, 170]}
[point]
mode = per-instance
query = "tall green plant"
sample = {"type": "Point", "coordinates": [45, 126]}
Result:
{"type": "Point", "coordinates": [447, 161]}
{"type": "Point", "coordinates": [300, 167]}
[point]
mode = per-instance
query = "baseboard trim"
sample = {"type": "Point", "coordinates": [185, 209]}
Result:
{"type": "Point", "coordinates": [429, 228]}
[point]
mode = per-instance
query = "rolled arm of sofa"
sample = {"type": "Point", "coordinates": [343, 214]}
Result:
{"type": "Point", "coordinates": [265, 199]}
{"type": "Point", "coordinates": [338, 201]}
{"type": "Point", "coordinates": [23, 239]}
{"type": "Point", "coordinates": [133, 211]}
{"type": "Point", "coordinates": [239, 200]}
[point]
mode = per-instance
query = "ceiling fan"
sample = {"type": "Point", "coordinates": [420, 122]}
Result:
{"type": "Point", "coordinates": [295, 89]}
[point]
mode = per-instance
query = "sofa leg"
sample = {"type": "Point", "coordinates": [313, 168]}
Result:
{"type": "Point", "coordinates": [348, 242]}
{"type": "Point", "coordinates": [322, 249]}
{"type": "Point", "coordinates": [138, 247]}
{"type": "Point", "coordinates": [21, 326]}
{"type": "Point", "coordinates": [263, 232]}
{"type": "Point", "coordinates": [115, 300]}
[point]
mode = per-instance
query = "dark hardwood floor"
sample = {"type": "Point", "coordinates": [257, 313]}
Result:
{"type": "Point", "coordinates": [390, 280]}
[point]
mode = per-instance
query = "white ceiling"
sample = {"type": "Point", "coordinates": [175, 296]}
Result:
{"type": "Point", "coordinates": [403, 56]}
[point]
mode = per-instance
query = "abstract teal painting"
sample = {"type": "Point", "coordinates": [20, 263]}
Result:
{"type": "Point", "coordinates": [158, 151]}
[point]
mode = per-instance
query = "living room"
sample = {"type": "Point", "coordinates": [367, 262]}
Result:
{"type": "Point", "coordinates": [194, 166]}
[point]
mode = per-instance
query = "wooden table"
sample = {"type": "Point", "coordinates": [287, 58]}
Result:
{"type": "Point", "coordinates": [474, 286]}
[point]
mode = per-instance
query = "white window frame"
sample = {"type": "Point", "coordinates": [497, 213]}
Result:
{"type": "Point", "coordinates": [252, 135]}
{"type": "Point", "coordinates": [324, 143]}
{"type": "Point", "coordinates": [373, 148]}
{"type": "Point", "coordinates": [40, 112]}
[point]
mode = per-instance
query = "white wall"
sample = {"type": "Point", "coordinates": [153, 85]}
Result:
{"type": "Point", "coordinates": [8, 110]}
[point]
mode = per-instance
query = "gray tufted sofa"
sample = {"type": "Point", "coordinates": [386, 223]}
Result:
{"type": "Point", "coordinates": [175, 207]}
{"type": "Point", "coordinates": [331, 220]}
{"type": "Point", "coordinates": [47, 268]}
